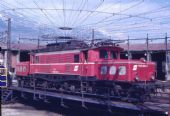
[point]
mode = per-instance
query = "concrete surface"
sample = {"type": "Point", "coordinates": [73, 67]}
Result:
{"type": "Point", "coordinates": [18, 109]}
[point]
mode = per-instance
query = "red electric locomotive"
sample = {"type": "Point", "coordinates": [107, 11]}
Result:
{"type": "Point", "coordinates": [94, 69]}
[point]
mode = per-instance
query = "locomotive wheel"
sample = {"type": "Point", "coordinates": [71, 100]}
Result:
{"type": "Point", "coordinates": [72, 88]}
{"type": "Point", "coordinates": [108, 90]}
{"type": "Point", "coordinates": [31, 83]}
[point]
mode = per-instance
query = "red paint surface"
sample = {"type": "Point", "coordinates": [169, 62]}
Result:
{"type": "Point", "coordinates": [63, 63]}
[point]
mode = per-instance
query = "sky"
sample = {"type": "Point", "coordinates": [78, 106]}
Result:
{"type": "Point", "coordinates": [115, 19]}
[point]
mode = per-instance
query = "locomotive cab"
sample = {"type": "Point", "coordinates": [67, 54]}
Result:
{"type": "Point", "coordinates": [102, 54]}
{"type": "Point", "coordinates": [109, 66]}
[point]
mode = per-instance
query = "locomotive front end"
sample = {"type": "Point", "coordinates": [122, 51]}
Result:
{"type": "Point", "coordinates": [143, 71]}
{"type": "Point", "coordinates": [112, 68]}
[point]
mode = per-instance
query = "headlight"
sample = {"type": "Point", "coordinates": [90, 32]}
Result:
{"type": "Point", "coordinates": [152, 77]}
{"type": "Point", "coordinates": [103, 70]}
{"type": "Point", "coordinates": [112, 70]}
{"type": "Point", "coordinates": [135, 67]}
{"type": "Point", "coordinates": [136, 78]}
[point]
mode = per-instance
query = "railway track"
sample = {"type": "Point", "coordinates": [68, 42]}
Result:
{"type": "Point", "coordinates": [159, 103]}
{"type": "Point", "coordinates": [155, 106]}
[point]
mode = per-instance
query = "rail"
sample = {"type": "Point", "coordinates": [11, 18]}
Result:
{"type": "Point", "coordinates": [147, 107]}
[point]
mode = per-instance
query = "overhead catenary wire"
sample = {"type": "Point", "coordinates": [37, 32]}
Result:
{"type": "Point", "coordinates": [102, 12]}
{"type": "Point", "coordinates": [102, 20]}
{"type": "Point", "coordinates": [154, 21]}
{"type": "Point", "coordinates": [57, 13]}
{"type": "Point", "coordinates": [23, 19]}
{"type": "Point", "coordinates": [71, 16]}
{"type": "Point", "coordinates": [80, 9]}
{"type": "Point", "coordinates": [155, 10]}
{"type": "Point", "coordinates": [135, 25]}
{"type": "Point", "coordinates": [114, 24]}
{"type": "Point", "coordinates": [43, 12]}
{"type": "Point", "coordinates": [39, 8]}
{"type": "Point", "coordinates": [28, 12]}
{"type": "Point", "coordinates": [90, 13]}
{"type": "Point", "coordinates": [12, 9]}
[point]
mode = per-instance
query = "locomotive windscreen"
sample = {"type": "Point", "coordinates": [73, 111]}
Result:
{"type": "Point", "coordinates": [103, 54]}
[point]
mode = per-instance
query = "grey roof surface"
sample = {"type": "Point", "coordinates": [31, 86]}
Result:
{"type": "Point", "coordinates": [133, 47]}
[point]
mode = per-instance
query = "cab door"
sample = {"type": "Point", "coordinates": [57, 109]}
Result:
{"type": "Point", "coordinates": [84, 62]}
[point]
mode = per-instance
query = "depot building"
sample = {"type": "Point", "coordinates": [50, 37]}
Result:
{"type": "Point", "coordinates": [156, 51]}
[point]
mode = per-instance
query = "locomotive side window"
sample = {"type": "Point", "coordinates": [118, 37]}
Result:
{"type": "Point", "coordinates": [113, 55]}
{"type": "Point", "coordinates": [122, 70]}
{"type": "Point", "coordinates": [36, 59]}
{"type": "Point", "coordinates": [24, 69]}
{"type": "Point", "coordinates": [103, 54]}
{"type": "Point", "coordinates": [112, 70]}
{"type": "Point", "coordinates": [76, 58]}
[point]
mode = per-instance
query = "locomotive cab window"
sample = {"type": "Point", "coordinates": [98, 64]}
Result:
{"type": "Point", "coordinates": [113, 55]}
{"type": "Point", "coordinates": [76, 58]}
{"type": "Point", "coordinates": [36, 59]}
{"type": "Point", "coordinates": [103, 54]}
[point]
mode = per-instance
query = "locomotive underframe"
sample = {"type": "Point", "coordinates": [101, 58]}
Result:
{"type": "Point", "coordinates": [89, 86]}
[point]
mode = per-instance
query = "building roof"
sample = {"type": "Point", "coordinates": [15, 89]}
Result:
{"type": "Point", "coordinates": [143, 47]}
{"type": "Point", "coordinates": [23, 46]}
{"type": "Point", "coordinates": [133, 47]}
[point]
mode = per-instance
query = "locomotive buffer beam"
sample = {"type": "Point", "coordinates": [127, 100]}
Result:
{"type": "Point", "coordinates": [147, 107]}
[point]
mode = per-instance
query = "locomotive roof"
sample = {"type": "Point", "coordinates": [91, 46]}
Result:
{"type": "Point", "coordinates": [75, 45]}
{"type": "Point", "coordinates": [116, 47]}
{"type": "Point", "coordinates": [76, 50]}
